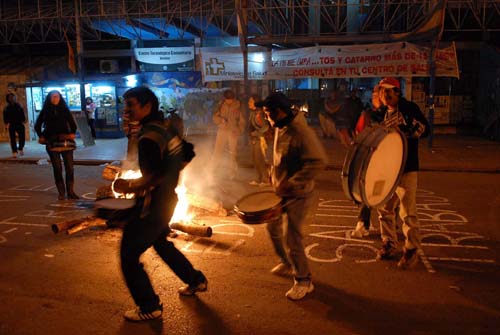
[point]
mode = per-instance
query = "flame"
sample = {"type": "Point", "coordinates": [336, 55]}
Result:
{"type": "Point", "coordinates": [127, 174]}
{"type": "Point", "coordinates": [181, 212]}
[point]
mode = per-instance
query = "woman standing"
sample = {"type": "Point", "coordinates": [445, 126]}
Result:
{"type": "Point", "coordinates": [90, 109]}
{"type": "Point", "coordinates": [258, 126]}
{"type": "Point", "coordinates": [56, 129]}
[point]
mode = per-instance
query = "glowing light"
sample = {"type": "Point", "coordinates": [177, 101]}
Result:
{"type": "Point", "coordinates": [127, 174]}
{"type": "Point", "coordinates": [181, 212]}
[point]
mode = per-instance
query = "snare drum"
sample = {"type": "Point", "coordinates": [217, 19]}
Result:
{"type": "Point", "coordinates": [115, 209]}
{"type": "Point", "coordinates": [259, 207]}
{"type": "Point", "coordinates": [374, 165]}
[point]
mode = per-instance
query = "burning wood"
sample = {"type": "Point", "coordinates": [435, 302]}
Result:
{"type": "Point", "coordinates": [75, 225]}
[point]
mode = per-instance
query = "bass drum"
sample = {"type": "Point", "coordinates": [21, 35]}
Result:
{"type": "Point", "coordinates": [259, 207]}
{"type": "Point", "coordinates": [374, 165]}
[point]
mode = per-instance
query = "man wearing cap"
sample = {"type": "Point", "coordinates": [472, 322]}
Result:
{"type": "Point", "coordinates": [298, 156]}
{"type": "Point", "coordinates": [406, 116]}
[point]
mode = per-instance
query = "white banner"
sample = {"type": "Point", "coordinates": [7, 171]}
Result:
{"type": "Point", "coordinates": [353, 61]}
{"type": "Point", "coordinates": [356, 61]}
{"type": "Point", "coordinates": [165, 55]}
{"type": "Point", "coordinates": [221, 64]}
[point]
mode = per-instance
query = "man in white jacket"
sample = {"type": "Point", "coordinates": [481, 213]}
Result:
{"type": "Point", "coordinates": [231, 124]}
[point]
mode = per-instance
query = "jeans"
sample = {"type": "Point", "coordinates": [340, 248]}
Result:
{"type": "Point", "coordinates": [138, 236]}
{"type": "Point", "coordinates": [19, 130]}
{"type": "Point", "coordinates": [406, 193]}
{"type": "Point", "coordinates": [296, 212]}
{"type": "Point", "coordinates": [364, 215]}
{"type": "Point", "coordinates": [259, 161]}
{"type": "Point", "coordinates": [55, 158]}
{"type": "Point", "coordinates": [225, 136]}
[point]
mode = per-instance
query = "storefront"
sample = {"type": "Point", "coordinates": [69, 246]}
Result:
{"type": "Point", "coordinates": [108, 115]}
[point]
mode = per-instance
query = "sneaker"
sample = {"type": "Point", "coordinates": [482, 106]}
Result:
{"type": "Point", "coordinates": [409, 259]}
{"type": "Point", "coordinates": [388, 251]}
{"type": "Point", "coordinates": [21, 153]}
{"type": "Point", "coordinates": [300, 289]}
{"type": "Point", "coordinates": [14, 154]}
{"type": "Point", "coordinates": [189, 290]}
{"type": "Point", "coordinates": [137, 315]}
{"type": "Point", "coordinates": [360, 230]}
{"type": "Point", "coordinates": [254, 183]}
{"type": "Point", "coordinates": [282, 269]}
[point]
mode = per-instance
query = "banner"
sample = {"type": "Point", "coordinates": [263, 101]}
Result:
{"type": "Point", "coordinates": [221, 64]}
{"type": "Point", "coordinates": [165, 59]}
{"type": "Point", "coordinates": [400, 59]}
{"type": "Point", "coordinates": [361, 61]}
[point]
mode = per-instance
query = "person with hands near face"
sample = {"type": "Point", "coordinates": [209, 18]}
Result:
{"type": "Point", "coordinates": [56, 129]}
{"type": "Point", "coordinates": [162, 155]}
{"type": "Point", "coordinates": [298, 156]}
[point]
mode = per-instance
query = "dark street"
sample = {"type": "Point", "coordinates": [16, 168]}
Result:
{"type": "Point", "coordinates": [71, 284]}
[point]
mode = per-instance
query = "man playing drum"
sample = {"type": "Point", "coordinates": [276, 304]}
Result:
{"type": "Point", "coordinates": [298, 156]}
{"type": "Point", "coordinates": [162, 155]}
{"type": "Point", "coordinates": [407, 117]}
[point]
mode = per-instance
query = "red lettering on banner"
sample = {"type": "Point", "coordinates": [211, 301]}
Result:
{"type": "Point", "coordinates": [340, 60]}
{"type": "Point", "coordinates": [327, 60]}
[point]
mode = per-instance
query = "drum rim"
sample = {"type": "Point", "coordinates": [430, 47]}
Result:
{"type": "Point", "coordinates": [242, 214]}
{"type": "Point", "coordinates": [100, 201]}
{"type": "Point", "coordinates": [398, 178]}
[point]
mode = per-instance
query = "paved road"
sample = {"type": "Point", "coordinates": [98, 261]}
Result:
{"type": "Point", "coordinates": [60, 284]}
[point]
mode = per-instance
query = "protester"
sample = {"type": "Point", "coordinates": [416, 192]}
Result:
{"type": "Point", "coordinates": [131, 129]}
{"type": "Point", "coordinates": [406, 116]}
{"type": "Point", "coordinates": [298, 156]}
{"type": "Point", "coordinates": [231, 124]}
{"type": "Point", "coordinates": [14, 119]}
{"type": "Point", "coordinates": [56, 129]}
{"type": "Point", "coordinates": [331, 106]}
{"type": "Point", "coordinates": [162, 155]}
{"type": "Point", "coordinates": [258, 127]}
{"type": "Point", "coordinates": [90, 110]}
{"type": "Point", "coordinates": [353, 107]}
{"type": "Point", "coordinates": [368, 117]}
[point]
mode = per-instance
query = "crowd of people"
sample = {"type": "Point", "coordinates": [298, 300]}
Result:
{"type": "Point", "coordinates": [157, 145]}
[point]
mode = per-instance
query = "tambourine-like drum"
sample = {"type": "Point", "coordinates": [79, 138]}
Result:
{"type": "Point", "coordinates": [374, 165]}
{"type": "Point", "coordinates": [259, 207]}
{"type": "Point", "coordinates": [115, 209]}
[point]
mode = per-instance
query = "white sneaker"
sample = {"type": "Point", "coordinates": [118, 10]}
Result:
{"type": "Point", "coordinates": [360, 230]}
{"type": "Point", "coordinates": [21, 153]}
{"type": "Point", "coordinates": [282, 269]}
{"type": "Point", "coordinates": [300, 289]}
{"type": "Point", "coordinates": [137, 315]}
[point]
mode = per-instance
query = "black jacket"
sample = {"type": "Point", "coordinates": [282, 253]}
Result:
{"type": "Point", "coordinates": [411, 112]}
{"type": "Point", "coordinates": [14, 114]}
{"type": "Point", "coordinates": [55, 121]}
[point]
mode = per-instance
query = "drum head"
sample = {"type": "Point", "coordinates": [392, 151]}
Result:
{"type": "Point", "coordinates": [374, 165]}
{"type": "Point", "coordinates": [258, 201]}
{"type": "Point", "coordinates": [115, 203]}
{"type": "Point", "coordinates": [384, 169]}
